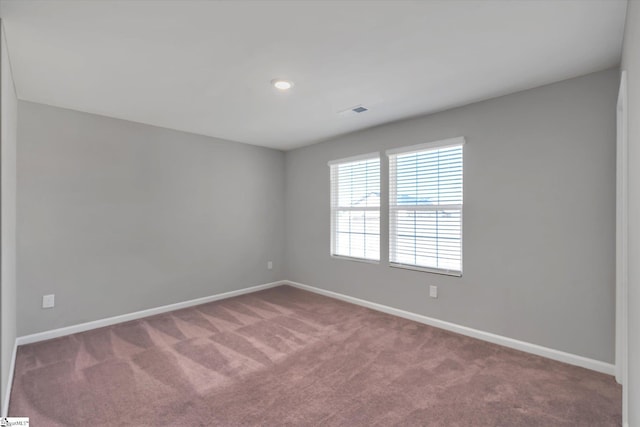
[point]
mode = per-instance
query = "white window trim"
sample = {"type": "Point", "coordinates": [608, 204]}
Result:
{"type": "Point", "coordinates": [427, 146]}
{"type": "Point", "coordinates": [454, 273]}
{"type": "Point", "coordinates": [350, 258]}
{"type": "Point", "coordinates": [368, 156]}
{"type": "Point", "coordinates": [414, 149]}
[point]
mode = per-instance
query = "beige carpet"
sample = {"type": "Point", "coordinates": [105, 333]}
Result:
{"type": "Point", "coordinates": [286, 357]}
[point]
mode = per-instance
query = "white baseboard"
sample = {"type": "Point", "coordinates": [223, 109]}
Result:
{"type": "Point", "coordinates": [572, 359]}
{"type": "Point", "coordinates": [68, 330]}
{"type": "Point", "coordinates": [7, 392]}
{"type": "Point", "coordinates": [539, 350]}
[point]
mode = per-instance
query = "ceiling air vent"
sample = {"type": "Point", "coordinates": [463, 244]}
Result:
{"type": "Point", "coordinates": [353, 110]}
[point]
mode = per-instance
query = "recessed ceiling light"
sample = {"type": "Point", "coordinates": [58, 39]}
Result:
{"type": "Point", "coordinates": [281, 84]}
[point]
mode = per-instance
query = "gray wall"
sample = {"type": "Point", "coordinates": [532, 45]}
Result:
{"type": "Point", "coordinates": [8, 123]}
{"type": "Point", "coordinates": [631, 63]}
{"type": "Point", "coordinates": [115, 217]}
{"type": "Point", "coordinates": [539, 217]}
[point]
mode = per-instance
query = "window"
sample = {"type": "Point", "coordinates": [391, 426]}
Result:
{"type": "Point", "coordinates": [355, 207]}
{"type": "Point", "coordinates": [425, 207]}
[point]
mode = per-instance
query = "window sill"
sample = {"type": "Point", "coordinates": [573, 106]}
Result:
{"type": "Point", "coordinates": [427, 269]}
{"type": "Point", "coordinates": [364, 260]}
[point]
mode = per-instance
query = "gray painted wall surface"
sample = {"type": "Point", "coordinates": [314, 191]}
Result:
{"type": "Point", "coordinates": [8, 123]}
{"type": "Point", "coordinates": [631, 63]}
{"type": "Point", "coordinates": [539, 217]}
{"type": "Point", "coordinates": [116, 217]}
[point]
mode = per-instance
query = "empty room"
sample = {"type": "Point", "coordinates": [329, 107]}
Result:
{"type": "Point", "coordinates": [320, 213]}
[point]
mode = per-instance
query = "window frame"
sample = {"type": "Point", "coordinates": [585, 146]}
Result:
{"type": "Point", "coordinates": [429, 146]}
{"type": "Point", "coordinates": [334, 209]}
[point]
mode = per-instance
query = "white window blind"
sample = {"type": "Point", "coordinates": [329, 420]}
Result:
{"type": "Point", "coordinates": [425, 207]}
{"type": "Point", "coordinates": [355, 207]}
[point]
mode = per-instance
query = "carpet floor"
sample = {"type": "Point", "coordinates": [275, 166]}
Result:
{"type": "Point", "coordinates": [286, 357]}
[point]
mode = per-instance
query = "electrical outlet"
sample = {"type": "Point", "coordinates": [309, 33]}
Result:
{"type": "Point", "coordinates": [270, 265]}
{"type": "Point", "coordinates": [48, 301]}
{"type": "Point", "coordinates": [433, 291]}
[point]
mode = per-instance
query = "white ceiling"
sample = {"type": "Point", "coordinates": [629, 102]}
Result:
{"type": "Point", "coordinates": [205, 66]}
